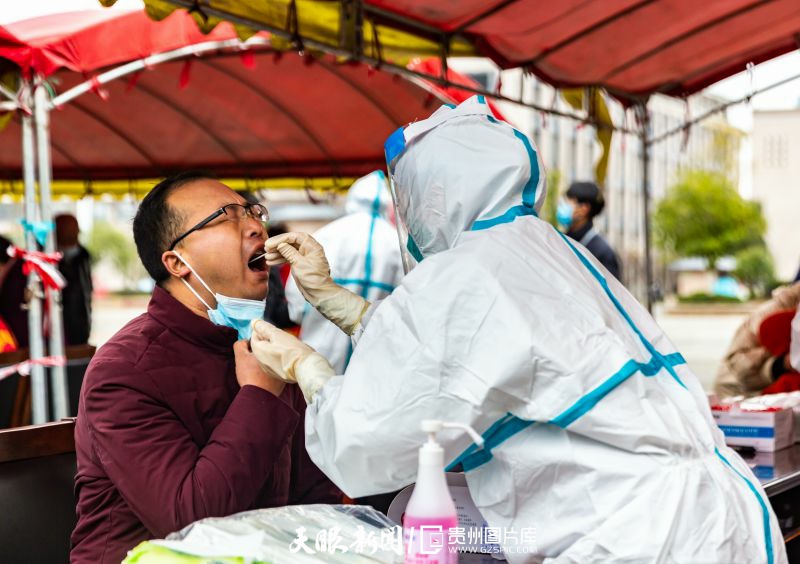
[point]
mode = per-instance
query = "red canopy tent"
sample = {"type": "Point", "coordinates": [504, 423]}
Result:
{"type": "Point", "coordinates": [633, 48]}
{"type": "Point", "coordinates": [116, 95]}
{"type": "Point", "coordinates": [241, 110]}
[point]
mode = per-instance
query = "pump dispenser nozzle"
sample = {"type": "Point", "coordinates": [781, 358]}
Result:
{"type": "Point", "coordinates": [433, 426]}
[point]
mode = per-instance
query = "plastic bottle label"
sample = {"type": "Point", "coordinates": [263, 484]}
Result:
{"type": "Point", "coordinates": [426, 540]}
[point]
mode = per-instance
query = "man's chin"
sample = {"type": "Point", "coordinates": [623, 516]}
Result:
{"type": "Point", "coordinates": [255, 284]}
{"type": "Point", "coordinates": [256, 291]}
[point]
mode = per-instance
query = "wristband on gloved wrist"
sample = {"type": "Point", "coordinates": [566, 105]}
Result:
{"type": "Point", "coordinates": [312, 372]}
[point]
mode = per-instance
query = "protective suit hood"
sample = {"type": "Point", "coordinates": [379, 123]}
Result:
{"type": "Point", "coordinates": [500, 174]}
{"type": "Point", "coordinates": [369, 194]}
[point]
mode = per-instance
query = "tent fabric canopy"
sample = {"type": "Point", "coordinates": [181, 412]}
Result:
{"type": "Point", "coordinates": [90, 40]}
{"type": "Point", "coordinates": [629, 47]}
{"type": "Point", "coordinates": [632, 48]}
{"type": "Point", "coordinates": [254, 113]}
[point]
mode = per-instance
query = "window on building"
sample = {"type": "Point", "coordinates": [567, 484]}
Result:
{"type": "Point", "coordinates": [775, 151]}
{"type": "Point", "coordinates": [487, 79]}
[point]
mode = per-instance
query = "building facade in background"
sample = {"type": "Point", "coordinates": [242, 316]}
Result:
{"type": "Point", "coordinates": [572, 149]}
{"type": "Point", "coordinates": [776, 184]}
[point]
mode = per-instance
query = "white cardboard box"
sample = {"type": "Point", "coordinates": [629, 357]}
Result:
{"type": "Point", "coordinates": [765, 430]}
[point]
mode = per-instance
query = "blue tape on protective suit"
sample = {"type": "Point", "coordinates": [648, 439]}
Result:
{"type": "Point", "coordinates": [591, 399]}
{"type": "Point", "coordinates": [604, 284]}
{"type": "Point", "coordinates": [508, 429]}
{"type": "Point", "coordinates": [509, 425]}
{"type": "Point", "coordinates": [412, 247]}
{"type": "Point", "coordinates": [394, 145]}
{"type": "Point", "coordinates": [528, 192]}
{"type": "Point", "coordinates": [487, 435]}
{"type": "Point", "coordinates": [761, 502]}
{"type": "Point", "coordinates": [508, 217]}
{"type": "Point", "coordinates": [364, 283]}
{"type": "Point", "coordinates": [376, 207]}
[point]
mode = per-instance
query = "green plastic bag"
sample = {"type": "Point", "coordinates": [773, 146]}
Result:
{"type": "Point", "coordinates": [148, 553]}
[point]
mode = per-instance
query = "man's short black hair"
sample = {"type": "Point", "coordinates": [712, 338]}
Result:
{"type": "Point", "coordinates": [588, 193]}
{"type": "Point", "coordinates": [157, 224]}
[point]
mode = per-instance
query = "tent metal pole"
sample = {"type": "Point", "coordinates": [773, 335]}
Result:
{"type": "Point", "coordinates": [648, 258]}
{"type": "Point", "coordinates": [35, 338]}
{"type": "Point", "coordinates": [58, 373]}
{"type": "Point", "coordinates": [8, 93]}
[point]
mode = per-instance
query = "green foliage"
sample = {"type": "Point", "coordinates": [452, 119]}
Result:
{"type": "Point", "coordinates": [755, 269]}
{"type": "Point", "coordinates": [704, 216]}
{"type": "Point", "coordinates": [107, 243]}
{"type": "Point", "coordinates": [550, 204]}
{"type": "Point", "coordinates": [724, 146]}
{"type": "Point", "coordinates": [703, 298]}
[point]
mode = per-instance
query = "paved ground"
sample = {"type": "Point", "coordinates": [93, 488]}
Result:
{"type": "Point", "coordinates": [110, 314]}
{"type": "Point", "coordinates": [702, 339]}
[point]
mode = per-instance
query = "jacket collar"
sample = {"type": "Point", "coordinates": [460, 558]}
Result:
{"type": "Point", "coordinates": [189, 326]}
{"type": "Point", "coordinates": [579, 233]}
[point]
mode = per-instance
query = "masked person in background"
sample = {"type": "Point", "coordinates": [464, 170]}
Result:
{"type": "Point", "coordinates": [362, 252]}
{"type": "Point", "coordinates": [584, 201]}
{"type": "Point", "coordinates": [597, 434]}
{"type": "Point", "coordinates": [75, 265]}
{"type": "Point", "coordinates": [177, 421]}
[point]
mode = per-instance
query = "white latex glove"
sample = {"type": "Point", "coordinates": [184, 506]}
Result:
{"type": "Point", "coordinates": [287, 358]}
{"type": "Point", "coordinates": [312, 274]}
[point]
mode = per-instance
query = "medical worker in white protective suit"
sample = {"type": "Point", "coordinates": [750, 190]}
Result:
{"type": "Point", "coordinates": [362, 252]}
{"type": "Point", "coordinates": [597, 433]}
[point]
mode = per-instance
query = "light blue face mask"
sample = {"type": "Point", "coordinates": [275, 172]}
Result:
{"type": "Point", "coordinates": [236, 313]}
{"type": "Point", "coordinates": [564, 214]}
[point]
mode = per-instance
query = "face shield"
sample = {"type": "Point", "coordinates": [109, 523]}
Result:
{"type": "Point", "coordinates": [409, 251]}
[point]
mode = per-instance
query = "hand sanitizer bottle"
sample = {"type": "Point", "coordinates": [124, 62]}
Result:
{"type": "Point", "coordinates": [431, 513]}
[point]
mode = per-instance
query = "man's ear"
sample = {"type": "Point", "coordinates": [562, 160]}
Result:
{"type": "Point", "coordinates": [174, 265]}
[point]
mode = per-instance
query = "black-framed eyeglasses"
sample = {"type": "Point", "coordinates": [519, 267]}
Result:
{"type": "Point", "coordinates": [234, 211]}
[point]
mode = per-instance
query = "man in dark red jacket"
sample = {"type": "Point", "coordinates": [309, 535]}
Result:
{"type": "Point", "coordinates": [177, 421]}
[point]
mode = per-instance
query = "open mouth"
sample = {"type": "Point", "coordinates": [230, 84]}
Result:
{"type": "Point", "coordinates": [258, 261]}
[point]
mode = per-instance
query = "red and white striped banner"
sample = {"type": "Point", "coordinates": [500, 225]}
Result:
{"type": "Point", "coordinates": [44, 264]}
{"type": "Point", "coordinates": [24, 368]}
